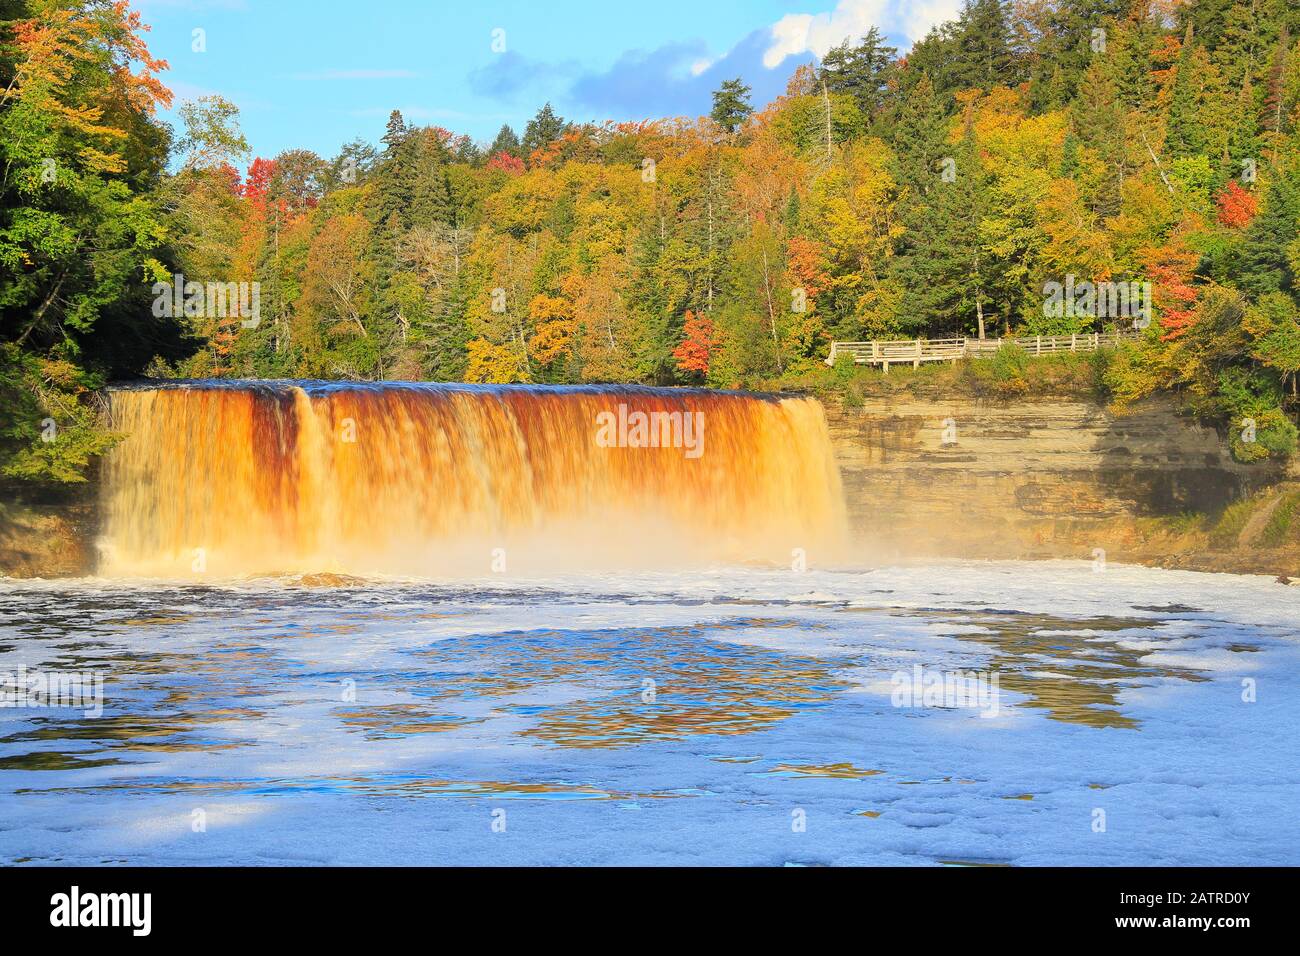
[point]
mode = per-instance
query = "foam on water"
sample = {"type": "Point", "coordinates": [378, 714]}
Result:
{"type": "Point", "coordinates": [385, 721]}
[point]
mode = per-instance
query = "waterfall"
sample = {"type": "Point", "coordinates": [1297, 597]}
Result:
{"type": "Point", "coordinates": [237, 478]}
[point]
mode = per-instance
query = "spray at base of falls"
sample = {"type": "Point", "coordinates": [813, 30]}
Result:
{"type": "Point", "coordinates": [226, 479]}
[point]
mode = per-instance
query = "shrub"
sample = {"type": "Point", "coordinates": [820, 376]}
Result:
{"type": "Point", "coordinates": [1228, 528]}
{"type": "Point", "coordinates": [1281, 522]}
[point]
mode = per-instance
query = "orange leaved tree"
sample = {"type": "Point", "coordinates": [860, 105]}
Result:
{"type": "Point", "coordinates": [699, 342]}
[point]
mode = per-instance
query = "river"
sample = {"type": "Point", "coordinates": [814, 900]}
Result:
{"type": "Point", "coordinates": [729, 715]}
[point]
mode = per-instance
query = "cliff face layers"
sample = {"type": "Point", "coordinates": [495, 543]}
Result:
{"type": "Point", "coordinates": [965, 478]}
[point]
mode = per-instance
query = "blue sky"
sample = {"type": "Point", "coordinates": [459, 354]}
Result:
{"type": "Point", "coordinates": [318, 74]}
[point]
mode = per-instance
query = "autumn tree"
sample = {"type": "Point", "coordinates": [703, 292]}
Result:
{"type": "Point", "coordinates": [337, 299]}
{"type": "Point", "coordinates": [82, 235]}
{"type": "Point", "coordinates": [698, 344]}
{"type": "Point", "coordinates": [542, 130]}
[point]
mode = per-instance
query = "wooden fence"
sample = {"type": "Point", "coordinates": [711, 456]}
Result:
{"type": "Point", "coordinates": [916, 351]}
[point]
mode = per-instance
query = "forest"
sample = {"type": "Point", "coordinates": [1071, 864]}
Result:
{"type": "Point", "coordinates": [933, 193]}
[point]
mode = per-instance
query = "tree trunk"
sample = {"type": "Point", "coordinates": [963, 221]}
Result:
{"type": "Point", "coordinates": [826, 97]}
{"type": "Point", "coordinates": [771, 314]}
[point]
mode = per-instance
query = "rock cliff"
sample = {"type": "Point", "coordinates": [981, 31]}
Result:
{"type": "Point", "coordinates": [1042, 478]}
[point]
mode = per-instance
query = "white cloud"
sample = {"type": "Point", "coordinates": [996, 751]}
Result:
{"type": "Point", "coordinates": [797, 33]}
{"type": "Point", "coordinates": [918, 16]}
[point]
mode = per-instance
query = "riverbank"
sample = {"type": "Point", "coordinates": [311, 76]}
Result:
{"type": "Point", "coordinates": [49, 531]}
{"type": "Point", "coordinates": [1257, 535]}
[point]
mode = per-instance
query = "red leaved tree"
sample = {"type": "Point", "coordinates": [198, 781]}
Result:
{"type": "Point", "coordinates": [232, 178]}
{"type": "Point", "coordinates": [1237, 206]}
{"type": "Point", "coordinates": [511, 165]}
{"type": "Point", "coordinates": [1171, 268]}
{"type": "Point", "coordinates": [698, 345]}
{"type": "Point", "coordinates": [804, 259]}
{"type": "Point", "coordinates": [258, 183]}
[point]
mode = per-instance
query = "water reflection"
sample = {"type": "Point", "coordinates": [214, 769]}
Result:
{"type": "Point", "coordinates": [397, 720]}
{"type": "Point", "coordinates": [1075, 669]}
{"type": "Point", "coordinates": [375, 785]}
{"type": "Point", "coordinates": [663, 683]}
{"type": "Point", "coordinates": [841, 771]}
{"type": "Point", "coordinates": [220, 691]}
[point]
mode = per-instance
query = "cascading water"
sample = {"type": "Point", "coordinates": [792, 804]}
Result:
{"type": "Point", "coordinates": [237, 478]}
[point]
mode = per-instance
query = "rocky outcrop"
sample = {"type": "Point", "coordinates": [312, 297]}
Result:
{"type": "Point", "coordinates": [48, 540]}
{"type": "Point", "coordinates": [1041, 478]}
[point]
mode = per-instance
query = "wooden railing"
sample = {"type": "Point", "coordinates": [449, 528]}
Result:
{"type": "Point", "coordinates": [916, 351]}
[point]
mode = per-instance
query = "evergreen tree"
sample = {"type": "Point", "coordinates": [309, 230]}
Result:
{"type": "Point", "coordinates": [942, 267]}
{"type": "Point", "coordinates": [351, 166]}
{"type": "Point", "coordinates": [1263, 266]}
{"type": "Point", "coordinates": [861, 71]}
{"type": "Point", "coordinates": [1068, 45]}
{"type": "Point", "coordinates": [1100, 122]}
{"type": "Point", "coordinates": [984, 46]}
{"type": "Point", "coordinates": [1070, 155]}
{"type": "Point", "coordinates": [1184, 130]}
{"type": "Point", "coordinates": [392, 199]}
{"type": "Point", "coordinates": [920, 138]}
{"type": "Point", "coordinates": [394, 133]}
{"type": "Point", "coordinates": [430, 188]}
{"type": "Point", "coordinates": [1128, 59]}
{"type": "Point", "coordinates": [1210, 19]}
{"type": "Point", "coordinates": [506, 142]}
{"type": "Point", "coordinates": [542, 130]}
{"type": "Point", "coordinates": [792, 213]}
{"type": "Point", "coordinates": [731, 105]}
{"type": "Point", "coordinates": [937, 57]}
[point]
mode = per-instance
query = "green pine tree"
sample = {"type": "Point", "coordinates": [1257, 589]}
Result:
{"type": "Point", "coordinates": [506, 142]}
{"type": "Point", "coordinates": [1262, 265]}
{"type": "Point", "coordinates": [862, 72]}
{"type": "Point", "coordinates": [984, 46]}
{"type": "Point", "coordinates": [542, 130]}
{"type": "Point", "coordinates": [1184, 129]}
{"type": "Point", "coordinates": [920, 137]}
{"type": "Point", "coordinates": [731, 105]}
{"type": "Point", "coordinates": [942, 268]}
